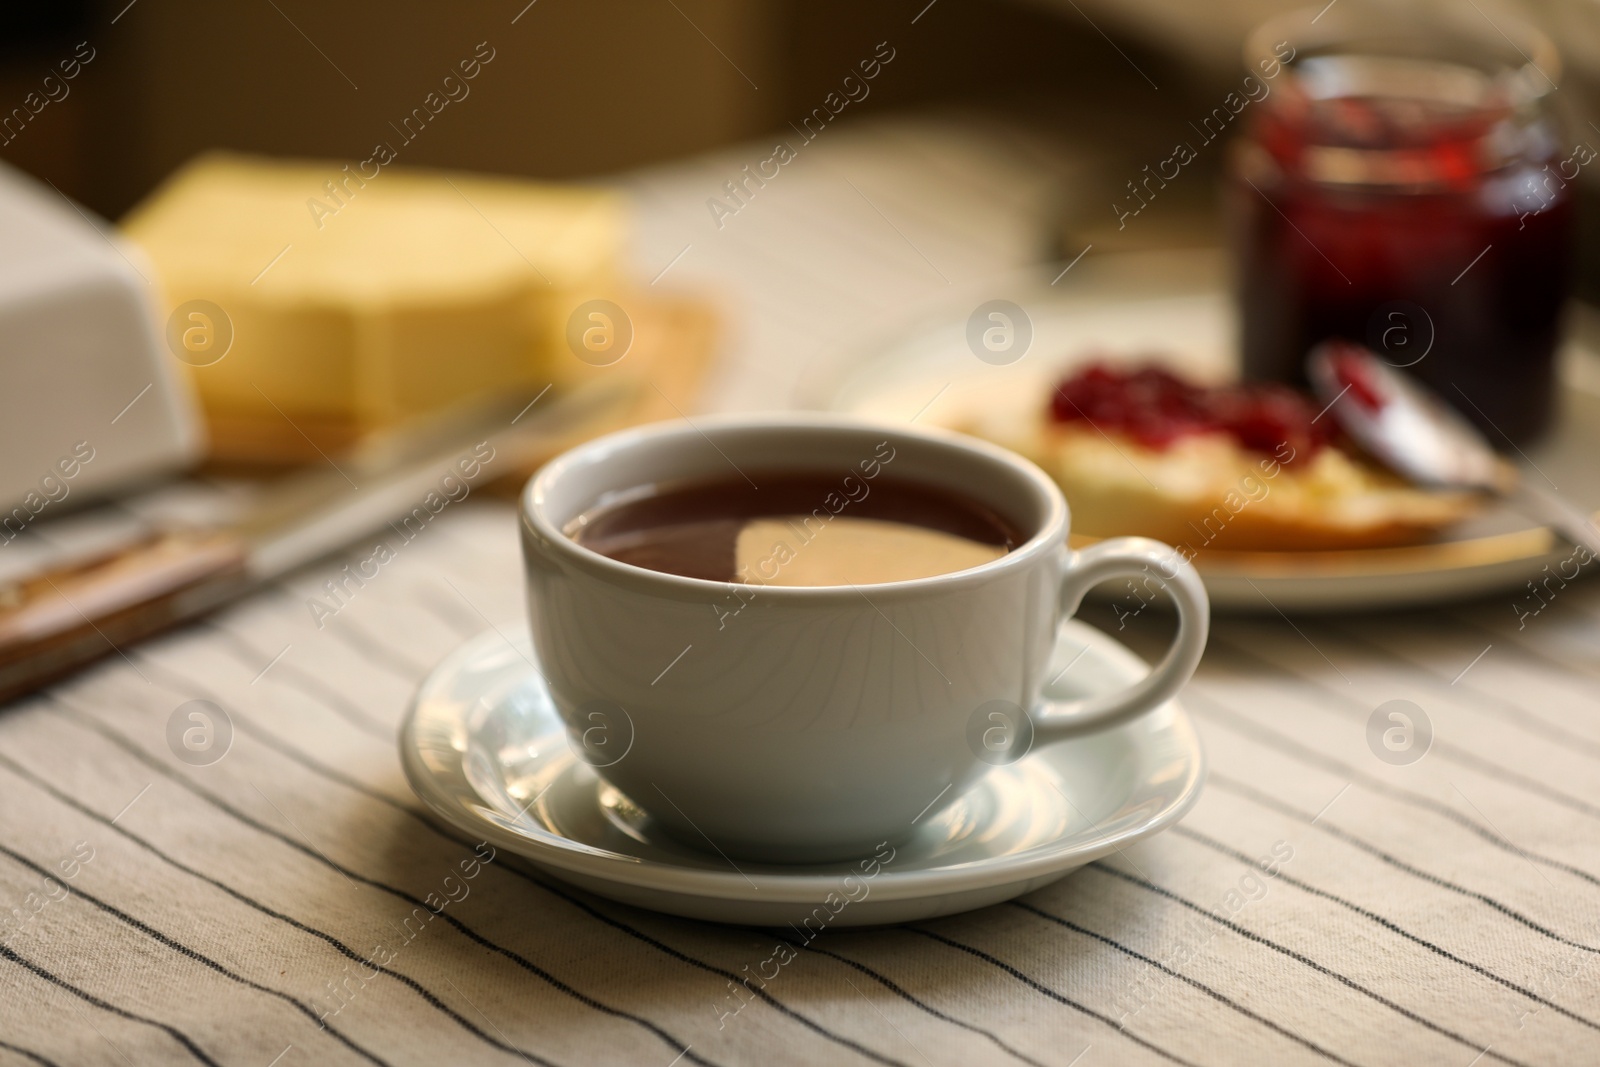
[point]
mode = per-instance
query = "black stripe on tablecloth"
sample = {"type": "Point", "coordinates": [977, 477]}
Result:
{"type": "Point", "coordinates": [1040, 987]}
{"type": "Point", "coordinates": [1445, 749]}
{"type": "Point", "coordinates": [1510, 638]}
{"type": "Point", "coordinates": [199, 957]}
{"type": "Point", "coordinates": [1101, 867]}
{"type": "Point", "coordinates": [1490, 769]}
{"type": "Point", "coordinates": [312, 854]}
{"type": "Point", "coordinates": [185, 688]}
{"type": "Point", "coordinates": [29, 1053]}
{"type": "Point", "coordinates": [447, 610]}
{"type": "Point", "coordinates": [1473, 622]}
{"type": "Point", "coordinates": [12, 955]}
{"type": "Point", "coordinates": [683, 957]}
{"type": "Point", "coordinates": [356, 636]}
{"type": "Point", "coordinates": [1491, 705]}
{"type": "Point", "coordinates": [1238, 788]}
{"type": "Point", "coordinates": [449, 834]}
{"type": "Point", "coordinates": [308, 684]}
{"type": "Point", "coordinates": [910, 998]}
{"type": "Point", "coordinates": [361, 641]}
{"type": "Point", "coordinates": [1281, 742]}
{"type": "Point", "coordinates": [1219, 997]}
{"type": "Point", "coordinates": [1372, 916]}
{"type": "Point", "coordinates": [342, 948]}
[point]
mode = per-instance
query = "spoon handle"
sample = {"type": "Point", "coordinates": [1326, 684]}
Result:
{"type": "Point", "coordinates": [1566, 519]}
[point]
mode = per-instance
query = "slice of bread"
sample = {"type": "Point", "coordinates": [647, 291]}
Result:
{"type": "Point", "coordinates": [1207, 490]}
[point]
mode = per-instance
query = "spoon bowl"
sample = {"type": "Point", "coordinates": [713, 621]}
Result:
{"type": "Point", "coordinates": [1417, 435]}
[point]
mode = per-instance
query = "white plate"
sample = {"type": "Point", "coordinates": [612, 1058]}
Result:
{"type": "Point", "coordinates": [1173, 306]}
{"type": "Point", "coordinates": [483, 746]}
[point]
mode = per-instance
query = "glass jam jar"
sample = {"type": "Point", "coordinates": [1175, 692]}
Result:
{"type": "Point", "coordinates": [1402, 185]}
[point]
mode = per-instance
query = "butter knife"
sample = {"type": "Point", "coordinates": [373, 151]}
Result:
{"type": "Point", "coordinates": [56, 621]}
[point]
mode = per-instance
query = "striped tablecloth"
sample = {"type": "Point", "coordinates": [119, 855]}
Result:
{"type": "Point", "coordinates": [1319, 904]}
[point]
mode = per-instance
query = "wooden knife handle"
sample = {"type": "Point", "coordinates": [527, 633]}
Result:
{"type": "Point", "coordinates": [55, 622]}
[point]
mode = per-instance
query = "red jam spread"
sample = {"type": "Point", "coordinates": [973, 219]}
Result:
{"type": "Point", "coordinates": [1156, 408]}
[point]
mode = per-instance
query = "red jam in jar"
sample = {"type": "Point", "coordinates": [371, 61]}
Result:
{"type": "Point", "coordinates": [1419, 205]}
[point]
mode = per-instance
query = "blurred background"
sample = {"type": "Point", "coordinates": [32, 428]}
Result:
{"type": "Point", "coordinates": [591, 89]}
{"type": "Point", "coordinates": [581, 89]}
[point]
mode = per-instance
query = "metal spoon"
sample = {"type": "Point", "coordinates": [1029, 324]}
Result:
{"type": "Point", "coordinates": [1415, 434]}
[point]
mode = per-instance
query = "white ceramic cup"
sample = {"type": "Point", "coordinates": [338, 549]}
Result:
{"type": "Point", "coordinates": [800, 724]}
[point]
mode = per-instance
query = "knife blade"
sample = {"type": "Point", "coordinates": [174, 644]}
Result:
{"type": "Point", "coordinates": [56, 621]}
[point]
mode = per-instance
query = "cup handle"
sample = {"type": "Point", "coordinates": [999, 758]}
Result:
{"type": "Point", "coordinates": [1129, 557]}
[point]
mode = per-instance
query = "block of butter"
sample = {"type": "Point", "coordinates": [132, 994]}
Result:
{"type": "Point", "coordinates": [312, 294]}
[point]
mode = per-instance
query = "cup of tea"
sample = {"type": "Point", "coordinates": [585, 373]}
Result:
{"type": "Point", "coordinates": [793, 637]}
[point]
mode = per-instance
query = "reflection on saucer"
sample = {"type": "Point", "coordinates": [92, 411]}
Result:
{"type": "Point", "coordinates": [484, 747]}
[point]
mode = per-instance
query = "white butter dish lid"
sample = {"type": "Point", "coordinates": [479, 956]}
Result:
{"type": "Point", "coordinates": [83, 368]}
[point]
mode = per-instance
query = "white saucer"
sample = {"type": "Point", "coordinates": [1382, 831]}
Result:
{"type": "Point", "coordinates": [483, 746]}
